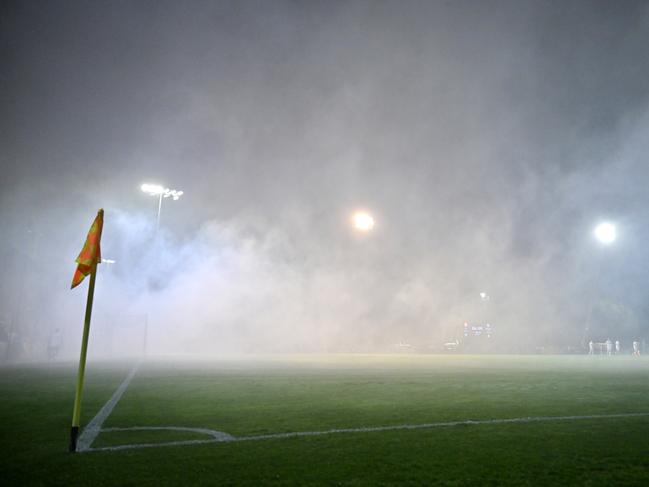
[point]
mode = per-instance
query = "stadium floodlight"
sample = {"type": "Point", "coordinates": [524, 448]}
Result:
{"type": "Point", "coordinates": [160, 192]}
{"type": "Point", "coordinates": [605, 232]}
{"type": "Point", "coordinates": [484, 296]}
{"type": "Point", "coordinates": [362, 221]}
{"type": "Point", "coordinates": [152, 189]}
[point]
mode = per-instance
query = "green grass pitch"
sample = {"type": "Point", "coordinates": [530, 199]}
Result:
{"type": "Point", "coordinates": [279, 394]}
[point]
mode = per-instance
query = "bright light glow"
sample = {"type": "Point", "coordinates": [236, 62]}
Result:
{"type": "Point", "coordinates": [605, 233]}
{"type": "Point", "coordinates": [157, 190]}
{"type": "Point", "coordinates": [152, 189]}
{"type": "Point", "coordinates": [173, 193]}
{"type": "Point", "coordinates": [363, 221]}
{"type": "Point", "coordinates": [484, 296]}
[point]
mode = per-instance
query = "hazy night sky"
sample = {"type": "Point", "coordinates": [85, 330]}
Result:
{"type": "Point", "coordinates": [487, 138]}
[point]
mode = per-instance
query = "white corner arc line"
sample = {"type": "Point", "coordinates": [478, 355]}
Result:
{"type": "Point", "coordinates": [218, 435]}
{"type": "Point", "coordinates": [225, 438]}
{"type": "Point", "coordinates": [93, 428]}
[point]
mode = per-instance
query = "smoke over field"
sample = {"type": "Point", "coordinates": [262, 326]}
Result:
{"type": "Point", "coordinates": [486, 139]}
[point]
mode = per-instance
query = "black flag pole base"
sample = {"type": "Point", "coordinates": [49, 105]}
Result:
{"type": "Point", "coordinates": [74, 435]}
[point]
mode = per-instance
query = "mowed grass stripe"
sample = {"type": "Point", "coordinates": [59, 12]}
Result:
{"type": "Point", "coordinates": [598, 453]}
{"type": "Point", "coordinates": [276, 398]}
{"type": "Point", "coordinates": [272, 395]}
{"type": "Point", "coordinates": [146, 437]}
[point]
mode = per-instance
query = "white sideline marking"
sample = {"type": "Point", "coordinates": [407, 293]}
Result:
{"type": "Point", "coordinates": [93, 428]}
{"type": "Point", "coordinates": [220, 437]}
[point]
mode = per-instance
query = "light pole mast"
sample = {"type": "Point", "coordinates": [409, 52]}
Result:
{"type": "Point", "coordinates": [606, 234]}
{"type": "Point", "coordinates": [160, 192]}
{"type": "Point", "coordinates": [157, 220]}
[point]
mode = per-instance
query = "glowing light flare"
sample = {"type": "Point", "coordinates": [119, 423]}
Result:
{"type": "Point", "coordinates": [152, 189]}
{"type": "Point", "coordinates": [362, 221]}
{"type": "Point", "coordinates": [173, 193]}
{"type": "Point", "coordinates": [606, 233]}
{"type": "Point", "coordinates": [157, 190]}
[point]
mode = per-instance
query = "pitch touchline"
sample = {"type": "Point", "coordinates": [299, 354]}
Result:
{"type": "Point", "coordinates": [220, 437]}
{"type": "Point", "coordinates": [91, 431]}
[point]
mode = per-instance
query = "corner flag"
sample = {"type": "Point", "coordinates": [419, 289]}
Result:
{"type": "Point", "coordinates": [90, 254]}
{"type": "Point", "coordinates": [87, 262]}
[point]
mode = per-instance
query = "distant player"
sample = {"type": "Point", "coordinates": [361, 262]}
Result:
{"type": "Point", "coordinates": [636, 348]}
{"type": "Point", "coordinates": [617, 347]}
{"type": "Point", "coordinates": [609, 347]}
{"type": "Point", "coordinates": [591, 348]}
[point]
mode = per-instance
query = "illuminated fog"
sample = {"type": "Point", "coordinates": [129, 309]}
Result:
{"type": "Point", "coordinates": [486, 139]}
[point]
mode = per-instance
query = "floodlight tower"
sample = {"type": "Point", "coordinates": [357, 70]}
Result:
{"type": "Point", "coordinates": [160, 192]}
{"type": "Point", "coordinates": [486, 312]}
{"type": "Point", "coordinates": [362, 221]}
{"type": "Point", "coordinates": [606, 234]}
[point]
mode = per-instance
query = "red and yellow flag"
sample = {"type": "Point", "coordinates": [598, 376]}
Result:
{"type": "Point", "coordinates": [90, 255]}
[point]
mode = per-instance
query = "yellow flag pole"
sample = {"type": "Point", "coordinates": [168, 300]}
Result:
{"type": "Point", "coordinates": [76, 414]}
